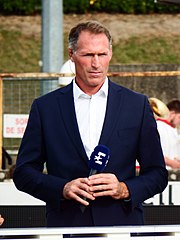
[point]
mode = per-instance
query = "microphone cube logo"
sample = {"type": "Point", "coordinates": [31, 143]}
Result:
{"type": "Point", "coordinates": [98, 158]}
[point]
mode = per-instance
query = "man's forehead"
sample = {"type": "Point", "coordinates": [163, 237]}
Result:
{"type": "Point", "coordinates": [91, 36]}
{"type": "Point", "coordinates": [93, 42]}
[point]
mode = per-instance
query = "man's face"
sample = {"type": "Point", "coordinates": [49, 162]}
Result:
{"type": "Point", "coordinates": [91, 59]}
{"type": "Point", "coordinates": [175, 120]}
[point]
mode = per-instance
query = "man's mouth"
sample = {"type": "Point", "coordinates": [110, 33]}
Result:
{"type": "Point", "coordinates": [94, 73]}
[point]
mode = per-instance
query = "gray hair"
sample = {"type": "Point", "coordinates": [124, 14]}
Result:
{"type": "Point", "coordinates": [90, 26]}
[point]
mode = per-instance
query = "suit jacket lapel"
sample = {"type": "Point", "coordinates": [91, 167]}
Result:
{"type": "Point", "coordinates": [67, 109]}
{"type": "Point", "coordinates": [112, 115]}
{"type": "Point", "coordinates": [112, 112]}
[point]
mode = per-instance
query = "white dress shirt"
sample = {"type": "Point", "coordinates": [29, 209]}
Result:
{"type": "Point", "coordinates": [90, 113]}
{"type": "Point", "coordinates": [170, 140]}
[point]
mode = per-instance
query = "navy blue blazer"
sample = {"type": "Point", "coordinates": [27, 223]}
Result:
{"type": "Point", "coordinates": [52, 139]}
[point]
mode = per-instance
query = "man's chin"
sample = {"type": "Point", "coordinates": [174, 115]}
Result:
{"type": "Point", "coordinates": [96, 81]}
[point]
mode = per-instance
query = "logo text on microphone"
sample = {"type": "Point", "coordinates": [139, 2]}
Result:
{"type": "Point", "coordinates": [99, 157]}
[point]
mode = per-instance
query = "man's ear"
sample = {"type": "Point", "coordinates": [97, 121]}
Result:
{"type": "Point", "coordinates": [71, 54]}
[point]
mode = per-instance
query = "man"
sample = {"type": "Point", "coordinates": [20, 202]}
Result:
{"type": "Point", "coordinates": [66, 125]}
{"type": "Point", "coordinates": [1, 220]}
{"type": "Point", "coordinates": [170, 138]}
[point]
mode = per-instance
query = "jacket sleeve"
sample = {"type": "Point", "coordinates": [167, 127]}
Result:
{"type": "Point", "coordinates": [29, 173]}
{"type": "Point", "coordinates": [153, 176]}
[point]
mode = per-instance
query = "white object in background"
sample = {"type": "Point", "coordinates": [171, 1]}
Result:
{"type": "Point", "coordinates": [14, 125]}
{"type": "Point", "coordinates": [11, 196]}
{"type": "Point", "coordinates": [67, 68]}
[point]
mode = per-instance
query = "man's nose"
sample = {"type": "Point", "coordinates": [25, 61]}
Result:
{"type": "Point", "coordinates": [95, 61]}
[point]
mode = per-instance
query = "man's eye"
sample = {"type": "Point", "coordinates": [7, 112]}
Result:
{"type": "Point", "coordinates": [88, 55]}
{"type": "Point", "coordinates": [93, 55]}
{"type": "Point", "coordinates": [102, 54]}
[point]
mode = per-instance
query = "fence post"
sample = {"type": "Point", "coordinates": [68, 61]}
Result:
{"type": "Point", "coordinates": [1, 116]}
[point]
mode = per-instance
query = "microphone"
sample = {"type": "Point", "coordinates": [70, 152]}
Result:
{"type": "Point", "coordinates": [98, 161]}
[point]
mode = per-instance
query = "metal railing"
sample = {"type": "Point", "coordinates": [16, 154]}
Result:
{"type": "Point", "coordinates": [169, 232]}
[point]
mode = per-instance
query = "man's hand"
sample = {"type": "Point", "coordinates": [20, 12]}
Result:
{"type": "Point", "coordinates": [173, 163]}
{"type": "Point", "coordinates": [78, 190]}
{"type": "Point", "coordinates": [106, 184]}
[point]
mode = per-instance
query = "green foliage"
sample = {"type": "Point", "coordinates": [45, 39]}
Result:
{"type": "Point", "coordinates": [75, 6]}
{"type": "Point", "coordinates": [20, 7]}
{"type": "Point", "coordinates": [24, 7]}
{"type": "Point", "coordinates": [132, 7]}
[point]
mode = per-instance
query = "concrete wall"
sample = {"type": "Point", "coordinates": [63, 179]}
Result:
{"type": "Point", "coordinates": [164, 88]}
